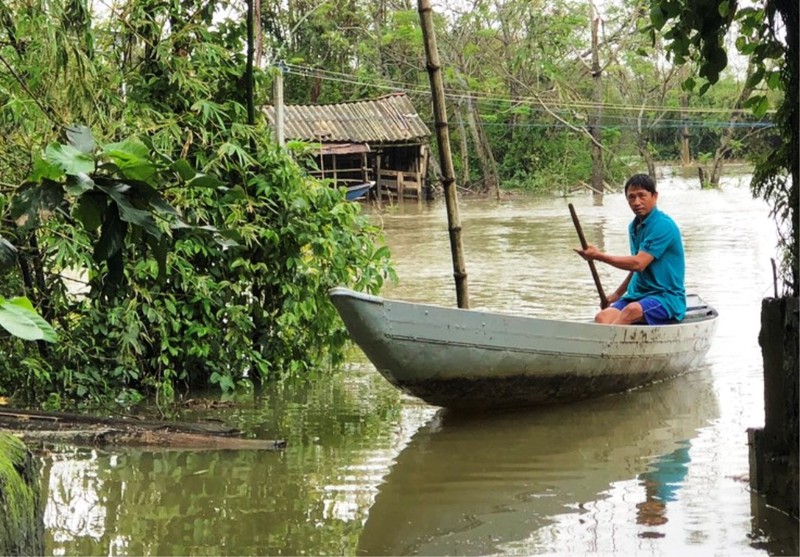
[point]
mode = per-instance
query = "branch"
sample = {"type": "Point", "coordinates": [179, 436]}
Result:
{"type": "Point", "coordinates": [47, 111]}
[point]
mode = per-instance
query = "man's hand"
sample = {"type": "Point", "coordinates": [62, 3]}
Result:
{"type": "Point", "coordinates": [589, 254]}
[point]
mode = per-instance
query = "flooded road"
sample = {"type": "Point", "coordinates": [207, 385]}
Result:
{"type": "Point", "coordinates": [367, 471]}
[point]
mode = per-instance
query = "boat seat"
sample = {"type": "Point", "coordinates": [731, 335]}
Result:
{"type": "Point", "coordinates": [697, 309]}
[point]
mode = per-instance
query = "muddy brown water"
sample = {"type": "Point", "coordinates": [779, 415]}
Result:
{"type": "Point", "coordinates": [367, 471]}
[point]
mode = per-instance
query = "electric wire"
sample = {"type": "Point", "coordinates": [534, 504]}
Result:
{"type": "Point", "coordinates": [615, 115]}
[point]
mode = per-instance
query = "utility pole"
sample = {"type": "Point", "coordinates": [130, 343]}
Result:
{"type": "Point", "coordinates": [277, 97]}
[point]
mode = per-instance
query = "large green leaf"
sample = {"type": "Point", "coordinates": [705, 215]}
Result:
{"type": "Point", "coordinates": [116, 274]}
{"type": "Point", "coordinates": [205, 181]}
{"type": "Point", "coordinates": [80, 137]}
{"type": "Point", "coordinates": [112, 236]}
{"type": "Point", "coordinates": [34, 202]}
{"type": "Point", "coordinates": [185, 170]}
{"type": "Point", "coordinates": [79, 184]}
{"type": "Point", "coordinates": [43, 169]}
{"type": "Point", "coordinates": [90, 208]}
{"type": "Point", "coordinates": [160, 248]}
{"type": "Point", "coordinates": [129, 151]}
{"type": "Point", "coordinates": [150, 195]}
{"type": "Point", "coordinates": [69, 159]}
{"type": "Point", "coordinates": [18, 317]}
{"type": "Point", "coordinates": [132, 159]}
{"type": "Point", "coordinates": [119, 192]}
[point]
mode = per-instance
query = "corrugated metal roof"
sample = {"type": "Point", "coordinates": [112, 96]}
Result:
{"type": "Point", "coordinates": [388, 119]}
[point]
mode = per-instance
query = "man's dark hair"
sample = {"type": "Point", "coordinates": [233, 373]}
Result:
{"type": "Point", "coordinates": [642, 181]}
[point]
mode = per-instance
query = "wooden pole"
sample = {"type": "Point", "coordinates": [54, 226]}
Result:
{"type": "Point", "coordinates": [592, 268]}
{"type": "Point", "coordinates": [445, 156]}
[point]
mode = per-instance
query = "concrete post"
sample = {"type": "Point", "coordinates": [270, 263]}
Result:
{"type": "Point", "coordinates": [774, 449]}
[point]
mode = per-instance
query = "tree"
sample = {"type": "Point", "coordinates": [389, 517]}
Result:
{"type": "Point", "coordinates": [770, 37]}
{"type": "Point", "coordinates": [644, 87]}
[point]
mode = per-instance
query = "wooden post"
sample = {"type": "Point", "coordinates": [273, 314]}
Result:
{"type": "Point", "coordinates": [378, 188]}
{"type": "Point", "coordinates": [424, 172]}
{"type": "Point", "coordinates": [445, 155]}
{"type": "Point", "coordinates": [401, 189]}
{"type": "Point", "coordinates": [277, 93]}
{"type": "Point", "coordinates": [417, 175]}
{"type": "Point", "coordinates": [364, 168]}
{"type": "Point", "coordinates": [595, 118]}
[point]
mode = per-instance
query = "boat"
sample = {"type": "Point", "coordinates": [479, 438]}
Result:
{"type": "Point", "coordinates": [460, 358]}
{"type": "Point", "coordinates": [359, 191]}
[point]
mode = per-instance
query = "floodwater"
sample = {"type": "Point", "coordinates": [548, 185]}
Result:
{"type": "Point", "coordinates": [662, 470]}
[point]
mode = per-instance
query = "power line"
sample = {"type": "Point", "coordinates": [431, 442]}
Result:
{"type": "Point", "coordinates": [460, 95]}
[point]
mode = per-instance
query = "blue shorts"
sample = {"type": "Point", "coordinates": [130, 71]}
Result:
{"type": "Point", "coordinates": [654, 312]}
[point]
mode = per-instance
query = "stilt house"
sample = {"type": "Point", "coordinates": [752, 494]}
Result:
{"type": "Point", "coordinates": [382, 140]}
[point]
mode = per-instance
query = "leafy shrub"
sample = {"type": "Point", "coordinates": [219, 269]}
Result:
{"type": "Point", "coordinates": [241, 292]}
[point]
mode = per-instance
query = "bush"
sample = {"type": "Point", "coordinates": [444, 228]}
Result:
{"type": "Point", "coordinates": [240, 293]}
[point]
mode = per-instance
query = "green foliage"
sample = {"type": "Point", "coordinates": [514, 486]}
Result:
{"type": "Point", "coordinates": [203, 253]}
{"type": "Point", "coordinates": [544, 160]}
{"type": "Point", "coordinates": [696, 26]}
{"type": "Point", "coordinates": [205, 306]}
{"type": "Point", "coordinates": [768, 37]}
{"type": "Point", "coordinates": [20, 498]}
{"type": "Point", "coordinates": [19, 318]}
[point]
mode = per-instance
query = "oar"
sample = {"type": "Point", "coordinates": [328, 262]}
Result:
{"type": "Point", "coordinates": [595, 276]}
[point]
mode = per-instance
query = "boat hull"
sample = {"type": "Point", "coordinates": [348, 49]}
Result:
{"type": "Point", "coordinates": [466, 359]}
{"type": "Point", "coordinates": [358, 191]}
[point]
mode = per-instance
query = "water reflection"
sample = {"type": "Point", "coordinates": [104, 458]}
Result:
{"type": "Point", "coordinates": [73, 509]}
{"type": "Point", "coordinates": [494, 483]}
{"type": "Point", "coordinates": [311, 498]}
{"type": "Point", "coordinates": [665, 476]}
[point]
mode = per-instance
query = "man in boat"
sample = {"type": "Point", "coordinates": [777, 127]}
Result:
{"type": "Point", "coordinates": [653, 292]}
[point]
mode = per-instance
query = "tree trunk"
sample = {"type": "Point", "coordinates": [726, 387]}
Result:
{"type": "Point", "coordinates": [249, 75]}
{"type": "Point", "coordinates": [258, 50]}
{"type": "Point", "coordinates": [596, 114]}
{"type": "Point", "coordinates": [774, 448]}
{"type": "Point", "coordinates": [644, 150]}
{"type": "Point", "coordinates": [482, 149]}
{"type": "Point", "coordinates": [726, 138]}
{"type": "Point", "coordinates": [80, 429]}
{"type": "Point", "coordinates": [686, 154]}
{"type": "Point", "coordinates": [463, 146]}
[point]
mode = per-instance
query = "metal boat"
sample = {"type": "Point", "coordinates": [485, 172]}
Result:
{"type": "Point", "coordinates": [359, 191]}
{"type": "Point", "coordinates": [461, 358]}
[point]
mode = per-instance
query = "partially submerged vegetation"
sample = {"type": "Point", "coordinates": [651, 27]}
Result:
{"type": "Point", "coordinates": [206, 251]}
{"type": "Point", "coordinates": [190, 280]}
{"type": "Point", "coordinates": [21, 523]}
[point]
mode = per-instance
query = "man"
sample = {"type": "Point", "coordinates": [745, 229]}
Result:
{"type": "Point", "coordinates": [653, 292]}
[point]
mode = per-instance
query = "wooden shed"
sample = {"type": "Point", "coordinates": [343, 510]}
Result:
{"type": "Point", "coordinates": [382, 140]}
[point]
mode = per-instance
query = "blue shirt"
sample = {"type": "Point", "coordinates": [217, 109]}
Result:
{"type": "Point", "coordinates": [663, 279]}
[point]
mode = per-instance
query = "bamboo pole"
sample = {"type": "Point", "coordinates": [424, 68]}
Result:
{"type": "Point", "coordinates": [445, 156]}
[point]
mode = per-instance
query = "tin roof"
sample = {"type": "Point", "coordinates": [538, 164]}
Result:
{"type": "Point", "coordinates": [388, 119]}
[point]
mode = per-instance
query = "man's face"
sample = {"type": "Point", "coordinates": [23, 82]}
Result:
{"type": "Point", "coordinates": [641, 201]}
